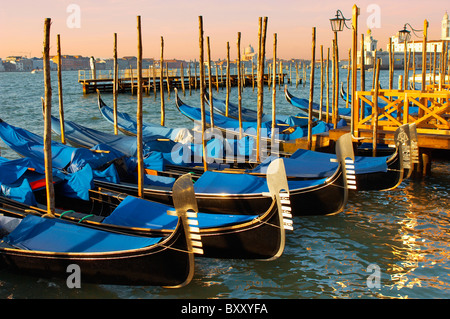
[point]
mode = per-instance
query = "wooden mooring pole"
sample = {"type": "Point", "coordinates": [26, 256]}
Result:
{"type": "Point", "coordinates": [354, 111]}
{"type": "Point", "coordinates": [161, 84]}
{"type": "Point", "coordinates": [211, 105]}
{"type": "Point", "coordinates": [47, 121]}
{"type": "Point", "coordinates": [260, 102]}
{"type": "Point", "coordinates": [311, 87]}
{"type": "Point", "coordinates": [202, 91]}
{"type": "Point", "coordinates": [274, 89]}
{"type": "Point", "coordinates": [227, 98]}
{"type": "Point", "coordinates": [60, 91]}
{"type": "Point", "coordinates": [375, 108]}
{"type": "Point", "coordinates": [116, 71]}
{"type": "Point", "coordinates": [238, 44]}
{"type": "Point", "coordinates": [140, 154]}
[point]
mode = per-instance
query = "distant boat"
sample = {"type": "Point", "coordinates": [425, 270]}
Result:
{"type": "Point", "coordinates": [35, 71]}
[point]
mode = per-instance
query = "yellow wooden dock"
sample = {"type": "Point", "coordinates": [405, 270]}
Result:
{"type": "Point", "coordinates": [389, 110]}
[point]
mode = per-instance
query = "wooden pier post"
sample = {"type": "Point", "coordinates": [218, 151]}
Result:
{"type": "Point", "coordinates": [333, 86]}
{"type": "Point", "coordinates": [202, 91]}
{"type": "Point", "coordinates": [414, 70]}
{"type": "Point", "coordinates": [363, 64]}
{"type": "Point", "coordinates": [161, 84]}
{"type": "Point", "coordinates": [47, 121]}
{"type": "Point", "coordinates": [375, 108]}
{"type": "Point", "coordinates": [355, 13]}
{"type": "Point", "coordinates": [321, 83]}
{"type": "Point", "coordinates": [424, 55]}
{"type": "Point", "coordinates": [374, 66]}
{"type": "Point", "coordinates": [132, 80]}
{"type": "Point", "coordinates": [260, 102]}
{"type": "Point", "coordinates": [182, 78]}
{"type": "Point", "coordinates": [327, 115]}
{"type": "Point", "coordinates": [190, 79]}
{"type": "Point", "coordinates": [405, 65]}
{"type": "Point", "coordinates": [349, 71]}
{"type": "Point", "coordinates": [238, 44]}
{"type": "Point", "coordinates": [154, 81]}
{"type": "Point", "coordinates": [253, 76]}
{"type": "Point", "coordinates": [211, 106]}
{"type": "Point", "coordinates": [304, 74]}
{"type": "Point", "coordinates": [60, 91]}
{"type": "Point", "coordinates": [195, 76]}
{"type": "Point", "coordinates": [424, 63]}
{"type": "Point", "coordinates": [311, 87]}
{"type": "Point", "coordinates": [116, 71]}
{"type": "Point", "coordinates": [227, 99]}
{"type": "Point", "coordinates": [391, 65]}
{"type": "Point", "coordinates": [434, 64]}
{"type": "Point", "coordinates": [336, 108]}
{"type": "Point", "coordinates": [140, 155]}
{"type": "Point", "coordinates": [168, 80]}
{"type": "Point", "coordinates": [274, 90]}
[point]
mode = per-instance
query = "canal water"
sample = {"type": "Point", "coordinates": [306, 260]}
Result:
{"type": "Point", "coordinates": [392, 244]}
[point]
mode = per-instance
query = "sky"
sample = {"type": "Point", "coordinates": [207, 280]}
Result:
{"type": "Point", "coordinates": [87, 27]}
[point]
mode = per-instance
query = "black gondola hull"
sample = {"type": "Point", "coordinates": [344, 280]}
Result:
{"type": "Point", "coordinates": [166, 265]}
{"type": "Point", "coordinates": [323, 199]}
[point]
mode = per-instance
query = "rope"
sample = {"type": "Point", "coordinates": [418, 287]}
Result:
{"type": "Point", "coordinates": [67, 211]}
{"type": "Point", "coordinates": [87, 216]}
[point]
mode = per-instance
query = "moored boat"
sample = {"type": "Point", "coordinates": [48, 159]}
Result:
{"type": "Point", "coordinates": [46, 246]}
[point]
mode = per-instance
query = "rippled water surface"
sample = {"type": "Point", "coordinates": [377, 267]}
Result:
{"type": "Point", "coordinates": [402, 234]}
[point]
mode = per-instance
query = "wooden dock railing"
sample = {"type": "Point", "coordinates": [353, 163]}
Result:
{"type": "Point", "coordinates": [429, 110]}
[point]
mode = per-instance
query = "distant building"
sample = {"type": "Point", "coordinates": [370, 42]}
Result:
{"type": "Point", "coordinates": [249, 55]}
{"type": "Point", "coordinates": [18, 63]}
{"type": "Point", "coordinates": [72, 62]}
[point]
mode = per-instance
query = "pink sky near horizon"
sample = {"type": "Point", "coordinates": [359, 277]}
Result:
{"type": "Point", "coordinates": [22, 21]}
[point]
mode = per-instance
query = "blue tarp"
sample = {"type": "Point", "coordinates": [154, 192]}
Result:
{"type": "Point", "coordinates": [229, 183]}
{"type": "Point", "coordinates": [249, 128]}
{"type": "Point", "coordinates": [311, 164]}
{"type": "Point", "coordinates": [129, 124]}
{"type": "Point", "coordinates": [63, 156]}
{"type": "Point", "coordinates": [55, 235]}
{"type": "Point", "coordinates": [161, 152]}
{"type": "Point", "coordinates": [132, 212]}
{"type": "Point", "coordinates": [125, 144]}
{"type": "Point", "coordinates": [18, 177]}
{"type": "Point", "coordinates": [21, 193]}
{"type": "Point", "coordinates": [249, 115]}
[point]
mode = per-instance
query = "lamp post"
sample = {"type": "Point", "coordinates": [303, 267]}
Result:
{"type": "Point", "coordinates": [337, 25]}
{"type": "Point", "coordinates": [404, 36]}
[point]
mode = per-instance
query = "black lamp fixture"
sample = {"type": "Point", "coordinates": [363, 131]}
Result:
{"type": "Point", "coordinates": [338, 23]}
{"type": "Point", "coordinates": [405, 35]}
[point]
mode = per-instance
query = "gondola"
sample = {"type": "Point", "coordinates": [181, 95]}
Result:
{"type": "Point", "coordinates": [223, 235]}
{"type": "Point", "coordinates": [371, 173]}
{"type": "Point", "coordinates": [153, 134]}
{"type": "Point", "coordinates": [45, 246]}
{"type": "Point", "coordinates": [128, 125]}
{"type": "Point", "coordinates": [303, 104]}
{"type": "Point", "coordinates": [249, 115]}
{"type": "Point", "coordinates": [216, 192]}
{"type": "Point", "coordinates": [231, 126]}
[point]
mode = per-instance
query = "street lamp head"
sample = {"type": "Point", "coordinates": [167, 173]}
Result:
{"type": "Point", "coordinates": [338, 23]}
{"type": "Point", "coordinates": [405, 35]}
